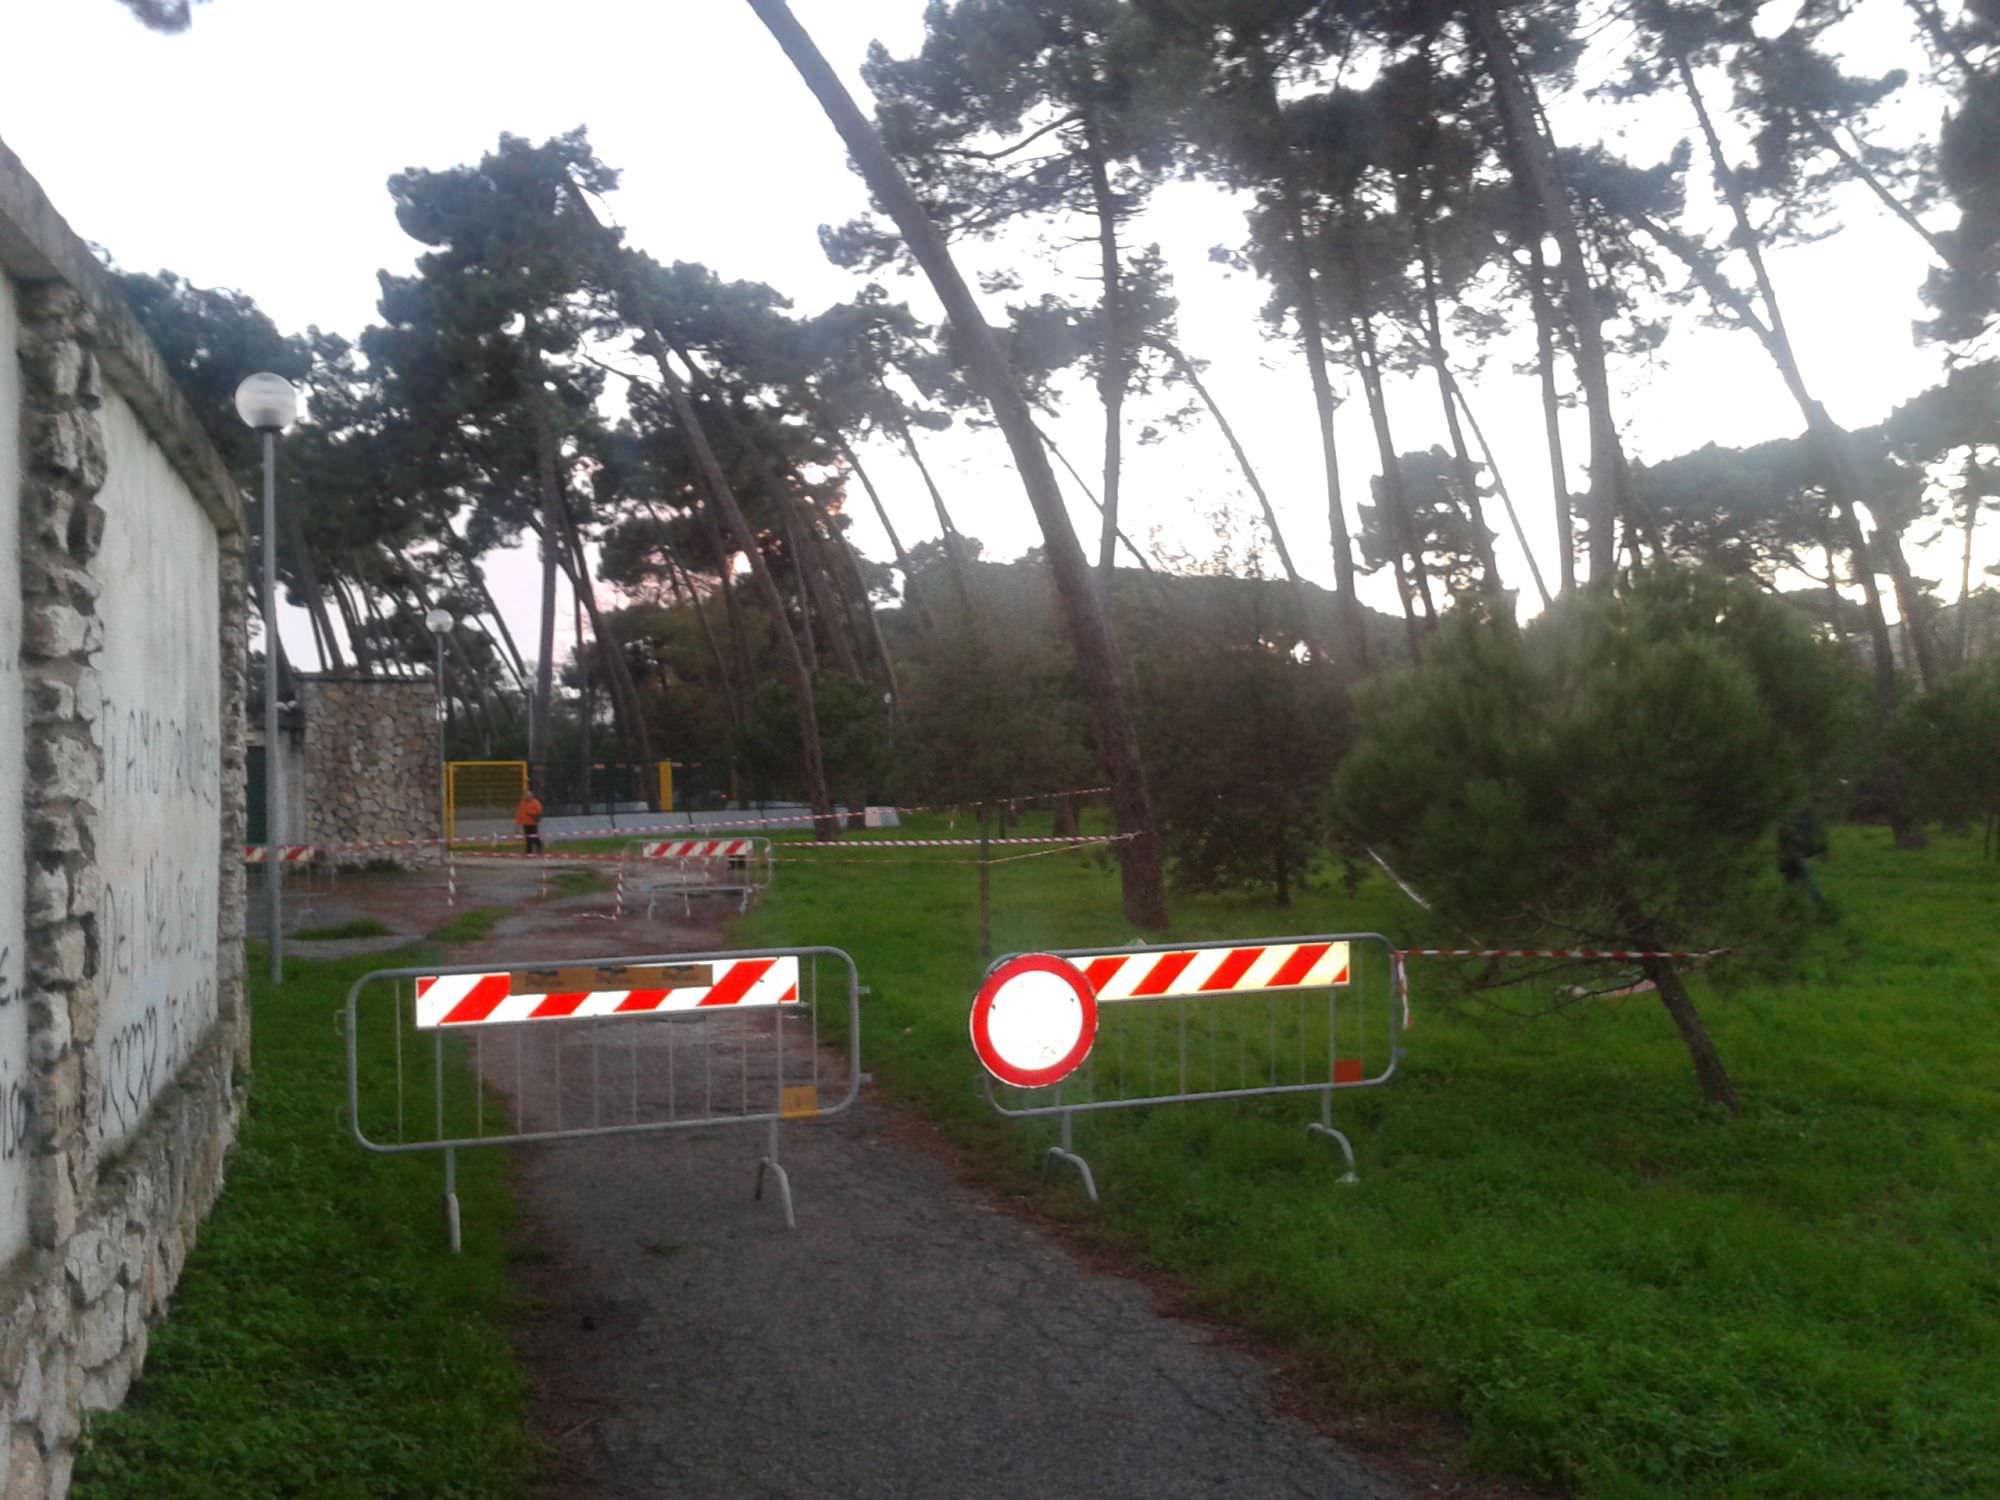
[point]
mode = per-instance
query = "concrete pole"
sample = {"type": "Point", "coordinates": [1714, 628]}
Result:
{"type": "Point", "coordinates": [274, 775]}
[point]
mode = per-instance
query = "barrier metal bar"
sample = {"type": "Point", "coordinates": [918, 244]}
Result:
{"type": "Point", "coordinates": [1188, 1048]}
{"type": "Point", "coordinates": [704, 1046]}
{"type": "Point", "coordinates": [738, 866]}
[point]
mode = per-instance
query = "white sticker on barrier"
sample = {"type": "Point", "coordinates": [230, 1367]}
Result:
{"type": "Point", "coordinates": [558, 993]}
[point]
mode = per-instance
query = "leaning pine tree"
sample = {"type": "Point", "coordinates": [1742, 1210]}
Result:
{"type": "Point", "coordinates": [1612, 774]}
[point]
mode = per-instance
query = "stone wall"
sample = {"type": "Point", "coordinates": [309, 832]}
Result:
{"type": "Point", "coordinates": [370, 773]}
{"type": "Point", "coordinates": [124, 1034]}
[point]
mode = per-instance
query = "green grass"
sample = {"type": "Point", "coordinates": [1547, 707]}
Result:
{"type": "Point", "coordinates": [1604, 1285]}
{"type": "Point", "coordinates": [472, 925]}
{"type": "Point", "coordinates": [322, 1341]}
{"type": "Point", "coordinates": [360, 927]}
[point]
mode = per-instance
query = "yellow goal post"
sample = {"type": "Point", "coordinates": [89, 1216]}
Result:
{"type": "Point", "coordinates": [480, 796]}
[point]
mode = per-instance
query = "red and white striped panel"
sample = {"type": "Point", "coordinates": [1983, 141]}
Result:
{"type": "Point", "coordinates": [288, 854]}
{"type": "Point", "coordinates": [489, 999]}
{"type": "Point", "coordinates": [695, 848]}
{"type": "Point", "coordinates": [1225, 969]}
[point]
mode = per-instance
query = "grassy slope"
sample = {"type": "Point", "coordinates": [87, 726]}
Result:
{"type": "Point", "coordinates": [1610, 1288]}
{"type": "Point", "coordinates": [323, 1341]}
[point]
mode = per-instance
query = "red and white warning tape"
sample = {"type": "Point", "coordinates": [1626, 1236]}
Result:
{"type": "Point", "coordinates": [1213, 970]}
{"type": "Point", "coordinates": [1621, 954]}
{"type": "Point", "coordinates": [491, 999]}
{"type": "Point", "coordinates": [288, 854]}
{"type": "Point", "coordinates": [788, 820]}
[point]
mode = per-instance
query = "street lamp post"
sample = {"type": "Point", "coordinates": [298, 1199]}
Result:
{"type": "Point", "coordinates": [268, 404]}
{"type": "Point", "coordinates": [438, 622]}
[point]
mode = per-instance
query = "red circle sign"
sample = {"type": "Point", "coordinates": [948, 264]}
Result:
{"type": "Point", "coordinates": [1034, 1020]}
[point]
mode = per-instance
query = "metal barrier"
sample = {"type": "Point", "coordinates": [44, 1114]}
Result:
{"type": "Point", "coordinates": [480, 796]}
{"type": "Point", "coordinates": [687, 868]}
{"type": "Point", "coordinates": [601, 1047]}
{"type": "Point", "coordinates": [1080, 1031]}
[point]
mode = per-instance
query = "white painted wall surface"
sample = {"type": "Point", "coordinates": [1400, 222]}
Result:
{"type": "Point", "coordinates": [13, 750]}
{"type": "Point", "coordinates": [160, 831]}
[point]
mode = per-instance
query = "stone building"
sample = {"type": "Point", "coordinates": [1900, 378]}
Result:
{"type": "Point", "coordinates": [123, 1027]}
{"type": "Point", "coordinates": [367, 768]}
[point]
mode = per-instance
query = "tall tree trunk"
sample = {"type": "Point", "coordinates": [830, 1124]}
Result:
{"type": "Point", "coordinates": [1975, 485]}
{"type": "Point", "coordinates": [1833, 458]}
{"type": "Point", "coordinates": [873, 617]}
{"type": "Point", "coordinates": [1533, 163]}
{"type": "Point", "coordinates": [1111, 372]}
{"type": "Point", "coordinates": [1708, 1069]}
{"type": "Point", "coordinates": [805, 559]}
{"type": "Point", "coordinates": [625, 701]}
{"type": "Point", "coordinates": [1461, 458]}
{"type": "Point", "coordinates": [586, 700]}
{"type": "Point", "coordinates": [1545, 360]}
{"type": "Point", "coordinates": [1837, 604]}
{"type": "Point", "coordinates": [1145, 563]}
{"type": "Point", "coordinates": [1143, 882]}
{"type": "Point", "coordinates": [881, 514]}
{"type": "Point", "coordinates": [387, 656]}
{"type": "Point", "coordinates": [1312, 334]}
{"type": "Point", "coordinates": [363, 658]}
{"type": "Point", "coordinates": [685, 584]}
{"type": "Point", "coordinates": [954, 550]}
{"type": "Point", "coordinates": [850, 643]}
{"type": "Point", "coordinates": [1858, 170]}
{"type": "Point", "coordinates": [1300, 599]}
{"type": "Point", "coordinates": [1909, 604]}
{"type": "Point", "coordinates": [825, 825]}
{"type": "Point", "coordinates": [1878, 621]}
{"type": "Point", "coordinates": [295, 536]}
{"type": "Point", "coordinates": [725, 564]}
{"type": "Point", "coordinates": [551, 529]}
{"type": "Point", "coordinates": [1500, 489]}
{"type": "Point", "coordinates": [1395, 496]}
{"type": "Point", "coordinates": [476, 576]}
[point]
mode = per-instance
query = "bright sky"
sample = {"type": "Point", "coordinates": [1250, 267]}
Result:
{"type": "Point", "coordinates": [252, 152]}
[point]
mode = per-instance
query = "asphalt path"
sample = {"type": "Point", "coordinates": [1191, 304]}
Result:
{"type": "Point", "coordinates": [909, 1338]}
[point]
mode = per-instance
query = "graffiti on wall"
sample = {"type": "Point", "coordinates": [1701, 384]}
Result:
{"type": "Point", "coordinates": [159, 829]}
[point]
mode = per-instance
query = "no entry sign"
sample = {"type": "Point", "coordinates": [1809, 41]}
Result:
{"type": "Point", "coordinates": [1034, 1020]}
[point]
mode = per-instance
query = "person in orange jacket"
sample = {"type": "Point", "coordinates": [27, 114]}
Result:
{"type": "Point", "coordinates": [528, 818]}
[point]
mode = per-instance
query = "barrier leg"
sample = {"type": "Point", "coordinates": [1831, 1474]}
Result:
{"type": "Point", "coordinates": [451, 1198]}
{"type": "Point", "coordinates": [769, 1163]}
{"type": "Point", "coordinates": [1324, 1126]}
{"type": "Point", "coordinates": [1065, 1153]}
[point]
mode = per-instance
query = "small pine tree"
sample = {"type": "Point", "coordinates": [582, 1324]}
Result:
{"type": "Point", "coordinates": [1614, 772]}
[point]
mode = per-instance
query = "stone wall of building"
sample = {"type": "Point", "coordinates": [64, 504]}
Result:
{"type": "Point", "coordinates": [124, 1033]}
{"type": "Point", "coordinates": [370, 770]}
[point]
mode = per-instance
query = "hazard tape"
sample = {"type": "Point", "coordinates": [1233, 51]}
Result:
{"type": "Point", "coordinates": [288, 854]}
{"type": "Point", "coordinates": [1400, 971]}
{"type": "Point", "coordinates": [789, 820]}
{"type": "Point", "coordinates": [494, 999]}
{"type": "Point", "coordinates": [1621, 954]}
{"type": "Point", "coordinates": [1223, 969]}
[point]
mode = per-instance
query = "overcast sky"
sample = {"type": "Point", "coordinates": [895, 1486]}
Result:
{"type": "Point", "coordinates": [252, 152]}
